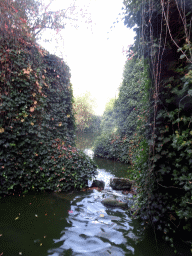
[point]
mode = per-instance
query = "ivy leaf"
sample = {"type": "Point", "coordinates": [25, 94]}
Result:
{"type": "Point", "coordinates": [179, 49]}
{"type": "Point", "coordinates": [182, 56]}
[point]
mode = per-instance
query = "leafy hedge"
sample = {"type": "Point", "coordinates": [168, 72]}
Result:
{"type": "Point", "coordinates": [120, 120]}
{"type": "Point", "coordinates": [36, 121]}
{"type": "Point", "coordinates": [112, 146]}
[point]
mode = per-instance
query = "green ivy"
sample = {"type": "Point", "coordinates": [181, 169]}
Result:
{"type": "Point", "coordinates": [164, 163]}
{"type": "Point", "coordinates": [123, 115]}
{"type": "Point", "coordinates": [37, 122]}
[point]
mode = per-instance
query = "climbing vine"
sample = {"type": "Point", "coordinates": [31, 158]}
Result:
{"type": "Point", "coordinates": [119, 135]}
{"type": "Point", "coordinates": [164, 38]}
{"type": "Point", "coordinates": [36, 117]}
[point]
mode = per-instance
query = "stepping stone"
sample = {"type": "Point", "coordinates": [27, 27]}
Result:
{"type": "Point", "coordinates": [114, 203]}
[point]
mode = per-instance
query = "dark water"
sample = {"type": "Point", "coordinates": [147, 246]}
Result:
{"type": "Point", "coordinates": [76, 224]}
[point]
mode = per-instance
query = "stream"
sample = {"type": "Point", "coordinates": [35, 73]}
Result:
{"type": "Point", "coordinates": [77, 223]}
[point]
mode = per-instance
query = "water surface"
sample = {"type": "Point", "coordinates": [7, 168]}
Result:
{"type": "Point", "coordinates": [77, 224]}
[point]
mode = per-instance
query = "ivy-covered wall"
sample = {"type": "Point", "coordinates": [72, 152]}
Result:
{"type": "Point", "coordinates": [36, 121]}
{"type": "Point", "coordinates": [120, 120]}
{"type": "Point", "coordinates": [163, 166]}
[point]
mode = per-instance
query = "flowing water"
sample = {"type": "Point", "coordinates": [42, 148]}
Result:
{"type": "Point", "coordinates": [50, 224]}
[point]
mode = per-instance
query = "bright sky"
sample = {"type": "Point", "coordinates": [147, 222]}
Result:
{"type": "Point", "coordinates": [93, 51]}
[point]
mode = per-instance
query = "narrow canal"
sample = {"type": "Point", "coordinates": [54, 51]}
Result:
{"type": "Point", "coordinates": [76, 223]}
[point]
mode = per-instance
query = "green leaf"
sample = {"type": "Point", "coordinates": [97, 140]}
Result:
{"type": "Point", "coordinates": [182, 56]}
{"type": "Point", "coordinates": [190, 92]}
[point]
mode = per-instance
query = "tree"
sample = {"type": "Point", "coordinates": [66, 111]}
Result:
{"type": "Point", "coordinates": [84, 111]}
{"type": "Point", "coordinates": [108, 123]}
{"type": "Point", "coordinates": [30, 18]}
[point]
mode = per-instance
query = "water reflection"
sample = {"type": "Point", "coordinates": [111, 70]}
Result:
{"type": "Point", "coordinates": [116, 168]}
{"type": "Point", "coordinates": [74, 225]}
{"type": "Point", "coordinates": [95, 230]}
{"type": "Point", "coordinates": [85, 142]}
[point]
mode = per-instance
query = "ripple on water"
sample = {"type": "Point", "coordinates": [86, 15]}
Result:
{"type": "Point", "coordinates": [94, 230]}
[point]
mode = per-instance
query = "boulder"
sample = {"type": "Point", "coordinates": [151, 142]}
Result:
{"type": "Point", "coordinates": [120, 184]}
{"type": "Point", "coordinates": [114, 203]}
{"type": "Point", "coordinates": [98, 184]}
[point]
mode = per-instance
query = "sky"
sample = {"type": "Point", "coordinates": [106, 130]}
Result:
{"type": "Point", "coordinates": [91, 48]}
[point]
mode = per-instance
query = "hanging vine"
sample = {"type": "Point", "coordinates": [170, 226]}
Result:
{"type": "Point", "coordinates": [164, 38]}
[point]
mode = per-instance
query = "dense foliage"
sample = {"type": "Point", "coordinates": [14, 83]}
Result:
{"type": "Point", "coordinates": [36, 116]}
{"type": "Point", "coordinates": [123, 115]}
{"type": "Point", "coordinates": [165, 180]}
{"type": "Point", "coordinates": [31, 17]}
{"type": "Point", "coordinates": [85, 119]}
{"type": "Point", "coordinates": [104, 146]}
{"type": "Point", "coordinates": [108, 123]}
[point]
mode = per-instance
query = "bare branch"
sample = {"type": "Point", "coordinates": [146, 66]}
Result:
{"type": "Point", "coordinates": [167, 23]}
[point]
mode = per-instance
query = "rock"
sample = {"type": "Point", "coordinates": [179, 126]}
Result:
{"type": "Point", "coordinates": [92, 188]}
{"type": "Point", "coordinates": [114, 203]}
{"type": "Point", "coordinates": [98, 183]}
{"type": "Point", "coordinates": [120, 183]}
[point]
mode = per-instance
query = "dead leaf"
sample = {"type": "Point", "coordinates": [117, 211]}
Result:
{"type": "Point", "coordinates": [32, 109]}
{"type": "Point", "coordinates": [2, 130]}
